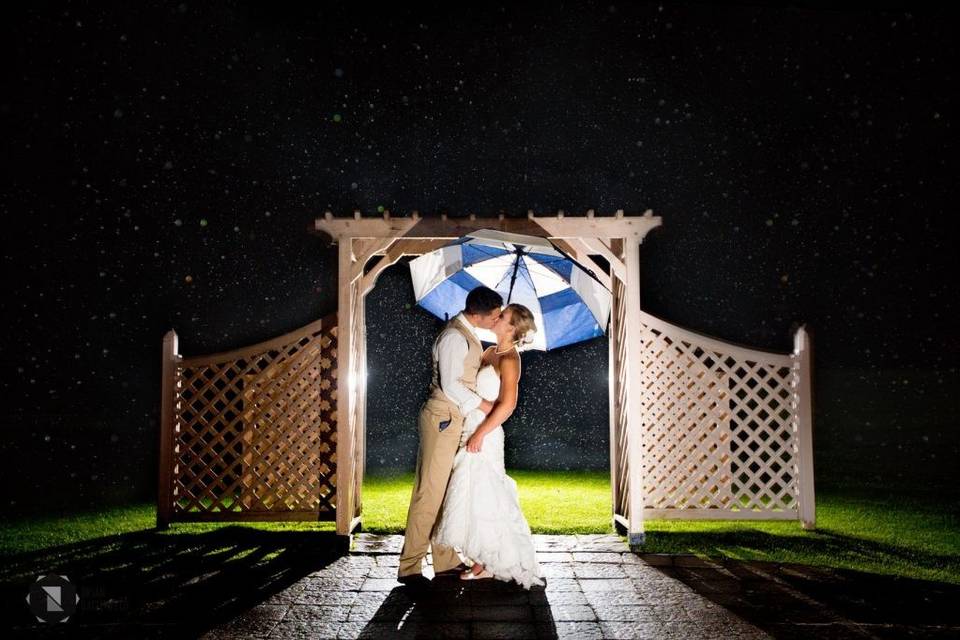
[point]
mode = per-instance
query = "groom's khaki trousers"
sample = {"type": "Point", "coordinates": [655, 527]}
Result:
{"type": "Point", "coordinates": [434, 464]}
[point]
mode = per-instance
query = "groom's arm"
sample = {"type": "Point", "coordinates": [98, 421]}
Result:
{"type": "Point", "coordinates": [451, 350]}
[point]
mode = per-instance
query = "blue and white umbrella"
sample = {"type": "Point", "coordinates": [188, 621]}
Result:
{"type": "Point", "coordinates": [568, 303]}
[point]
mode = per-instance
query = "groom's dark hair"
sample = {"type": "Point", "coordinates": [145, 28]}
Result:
{"type": "Point", "coordinates": [482, 300]}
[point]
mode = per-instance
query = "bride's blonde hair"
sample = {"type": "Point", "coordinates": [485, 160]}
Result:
{"type": "Point", "coordinates": [521, 319]}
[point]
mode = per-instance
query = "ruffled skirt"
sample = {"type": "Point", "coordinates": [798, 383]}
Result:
{"type": "Point", "coordinates": [481, 515]}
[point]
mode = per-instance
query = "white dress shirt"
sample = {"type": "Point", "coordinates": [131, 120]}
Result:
{"type": "Point", "coordinates": [450, 350]}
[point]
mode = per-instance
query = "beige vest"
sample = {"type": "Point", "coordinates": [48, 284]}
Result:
{"type": "Point", "coordinates": [471, 365]}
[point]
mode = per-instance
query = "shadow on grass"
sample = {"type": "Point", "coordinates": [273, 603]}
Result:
{"type": "Point", "coordinates": [801, 601]}
{"type": "Point", "coordinates": [834, 548]}
{"type": "Point", "coordinates": [156, 585]}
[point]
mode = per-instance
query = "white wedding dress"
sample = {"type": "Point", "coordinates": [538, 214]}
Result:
{"type": "Point", "coordinates": [481, 514]}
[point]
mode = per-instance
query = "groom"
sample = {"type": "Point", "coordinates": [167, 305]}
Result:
{"type": "Point", "coordinates": [453, 394]}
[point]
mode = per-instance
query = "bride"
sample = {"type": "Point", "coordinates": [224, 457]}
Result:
{"type": "Point", "coordinates": [481, 513]}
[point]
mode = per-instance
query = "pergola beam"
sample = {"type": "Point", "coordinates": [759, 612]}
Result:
{"type": "Point", "coordinates": [600, 247]}
{"type": "Point", "coordinates": [581, 253]}
{"type": "Point", "coordinates": [370, 248]}
{"type": "Point", "coordinates": [559, 226]}
{"type": "Point", "coordinates": [399, 249]}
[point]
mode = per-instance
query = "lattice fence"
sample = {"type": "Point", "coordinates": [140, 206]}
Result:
{"type": "Point", "coordinates": [721, 428]}
{"type": "Point", "coordinates": [251, 434]}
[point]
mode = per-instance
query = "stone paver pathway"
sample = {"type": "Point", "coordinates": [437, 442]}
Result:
{"type": "Point", "coordinates": [237, 583]}
{"type": "Point", "coordinates": [596, 588]}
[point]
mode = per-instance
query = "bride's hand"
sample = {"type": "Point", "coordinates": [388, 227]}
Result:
{"type": "Point", "coordinates": [474, 443]}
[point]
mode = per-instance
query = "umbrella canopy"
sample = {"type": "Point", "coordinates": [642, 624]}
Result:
{"type": "Point", "coordinates": [568, 303]}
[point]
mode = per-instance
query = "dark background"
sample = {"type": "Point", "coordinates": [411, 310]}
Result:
{"type": "Point", "coordinates": [162, 163]}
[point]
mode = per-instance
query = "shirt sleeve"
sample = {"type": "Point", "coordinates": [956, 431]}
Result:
{"type": "Point", "coordinates": [451, 350]}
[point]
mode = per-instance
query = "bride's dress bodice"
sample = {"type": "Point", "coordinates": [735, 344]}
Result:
{"type": "Point", "coordinates": [488, 388]}
{"type": "Point", "coordinates": [488, 383]}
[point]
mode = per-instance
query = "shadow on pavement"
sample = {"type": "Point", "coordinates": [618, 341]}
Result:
{"type": "Point", "coordinates": [790, 600]}
{"type": "Point", "coordinates": [147, 584]}
{"type": "Point", "coordinates": [451, 608]}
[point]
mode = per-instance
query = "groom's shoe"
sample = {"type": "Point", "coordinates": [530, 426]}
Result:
{"type": "Point", "coordinates": [416, 582]}
{"type": "Point", "coordinates": [451, 573]}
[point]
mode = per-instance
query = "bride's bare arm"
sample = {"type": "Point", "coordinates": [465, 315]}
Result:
{"type": "Point", "coordinates": [506, 402]}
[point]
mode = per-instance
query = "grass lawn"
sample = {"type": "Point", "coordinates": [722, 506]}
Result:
{"type": "Point", "coordinates": [568, 502]}
{"type": "Point", "coordinates": [871, 531]}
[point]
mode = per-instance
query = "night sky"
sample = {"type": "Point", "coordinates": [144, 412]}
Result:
{"type": "Point", "coordinates": [162, 165]}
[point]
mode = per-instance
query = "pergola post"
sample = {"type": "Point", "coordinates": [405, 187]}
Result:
{"type": "Point", "coordinates": [612, 373]}
{"type": "Point", "coordinates": [634, 333]}
{"type": "Point", "coordinates": [360, 402]}
{"type": "Point", "coordinates": [344, 395]}
{"type": "Point", "coordinates": [803, 350]}
{"type": "Point", "coordinates": [165, 495]}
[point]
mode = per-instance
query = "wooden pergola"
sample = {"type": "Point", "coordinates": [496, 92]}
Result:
{"type": "Point", "coordinates": [699, 427]}
{"type": "Point", "coordinates": [617, 238]}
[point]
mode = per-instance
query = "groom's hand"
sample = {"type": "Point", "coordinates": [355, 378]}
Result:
{"type": "Point", "coordinates": [486, 406]}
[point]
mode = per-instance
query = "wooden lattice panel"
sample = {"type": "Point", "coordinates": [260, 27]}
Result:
{"type": "Point", "coordinates": [254, 430]}
{"type": "Point", "coordinates": [720, 427]}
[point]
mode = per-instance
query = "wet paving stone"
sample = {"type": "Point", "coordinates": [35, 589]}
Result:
{"type": "Point", "coordinates": [595, 588]}
{"type": "Point", "coordinates": [557, 570]}
{"type": "Point", "coordinates": [598, 570]}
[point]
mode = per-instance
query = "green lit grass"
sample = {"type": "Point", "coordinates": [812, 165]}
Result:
{"type": "Point", "coordinates": [874, 532]}
{"type": "Point", "coordinates": [568, 502]}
